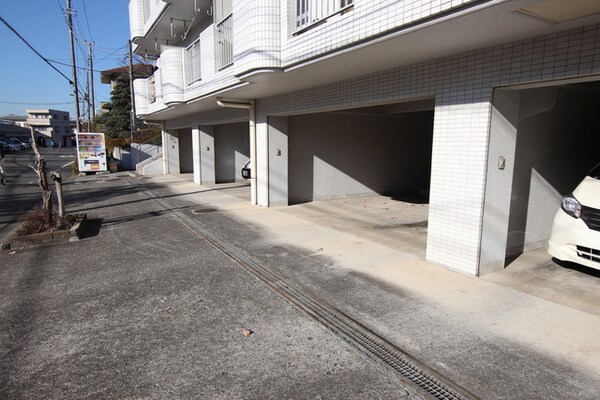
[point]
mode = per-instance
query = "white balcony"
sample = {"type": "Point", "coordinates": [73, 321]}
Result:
{"type": "Point", "coordinates": [171, 72]}
{"type": "Point", "coordinates": [142, 98]}
{"type": "Point", "coordinates": [143, 14]}
{"type": "Point", "coordinates": [164, 22]}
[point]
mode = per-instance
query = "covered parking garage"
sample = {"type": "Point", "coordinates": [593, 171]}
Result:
{"type": "Point", "coordinates": [543, 141]}
{"type": "Point", "coordinates": [232, 150]}
{"type": "Point", "coordinates": [382, 150]}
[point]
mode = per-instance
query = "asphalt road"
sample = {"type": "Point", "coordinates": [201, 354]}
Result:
{"type": "Point", "coordinates": [143, 308]}
{"type": "Point", "coordinates": [22, 191]}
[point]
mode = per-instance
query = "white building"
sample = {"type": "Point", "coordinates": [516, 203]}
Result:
{"type": "Point", "coordinates": [54, 125]}
{"type": "Point", "coordinates": [488, 106]}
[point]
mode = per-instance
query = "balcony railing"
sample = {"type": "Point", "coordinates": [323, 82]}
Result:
{"type": "Point", "coordinates": [192, 63]}
{"type": "Point", "coordinates": [224, 47]}
{"type": "Point", "coordinates": [310, 12]}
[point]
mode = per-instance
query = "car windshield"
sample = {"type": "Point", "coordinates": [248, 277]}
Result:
{"type": "Point", "coordinates": [595, 172]}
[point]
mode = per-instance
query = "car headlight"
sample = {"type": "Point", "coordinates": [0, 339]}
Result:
{"type": "Point", "coordinates": [571, 206]}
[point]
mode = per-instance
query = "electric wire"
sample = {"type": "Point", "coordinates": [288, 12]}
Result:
{"type": "Point", "coordinates": [87, 20]}
{"type": "Point", "coordinates": [104, 58]}
{"type": "Point", "coordinates": [34, 104]}
{"type": "Point", "coordinates": [34, 50]}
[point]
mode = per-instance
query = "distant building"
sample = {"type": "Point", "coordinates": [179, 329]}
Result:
{"type": "Point", "coordinates": [8, 128]}
{"type": "Point", "coordinates": [110, 76]}
{"type": "Point", "coordinates": [19, 120]}
{"type": "Point", "coordinates": [53, 125]}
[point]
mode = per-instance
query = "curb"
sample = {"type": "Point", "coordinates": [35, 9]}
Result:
{"type": "Point", "coordinates": [72, 234]}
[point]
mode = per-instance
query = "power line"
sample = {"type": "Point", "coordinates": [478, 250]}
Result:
{"type": "Point", "coordinates": [104, 58]}
{"type": "Point", "coordinates": [34, 104]}
{"type": "Point", "coordinates": [86, 20]}
{"type": "Point", "coordinates": [107, 49]}
{"type": "Point", "coordinates": [68, 65]}
{"type": "Point", "coordinates": [34, 50]}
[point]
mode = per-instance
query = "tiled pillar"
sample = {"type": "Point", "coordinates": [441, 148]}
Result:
{"type": "Point", "coordinates": [459, 160]}
{"type": "Point", "coordinates": [196, 151]}
{"type": "Point", "coordinates": [278, 161]}
{"type": "Point", "coordinates": [262, 160]}
{"type": "Point", "coordinates": [207, 154]}
{"type": "Point", "coordinates": [170, 152]}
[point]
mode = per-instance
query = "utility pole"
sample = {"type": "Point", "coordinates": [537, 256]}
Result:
{"type": "Point", "coordinates": [75, 87]}
{"type": "Point", "coordinates": [87, 103]}
{"type": "Point", "coordinates": [131, 92]}
{"type": "Point", "coordinates": [91, 62]}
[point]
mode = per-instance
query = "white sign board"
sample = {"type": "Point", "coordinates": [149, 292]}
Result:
{"type": "Point", "coordinates": [91, 152]}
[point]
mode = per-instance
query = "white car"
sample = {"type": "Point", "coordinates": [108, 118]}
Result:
{"type": "Point", "coordinates": [575, 233]}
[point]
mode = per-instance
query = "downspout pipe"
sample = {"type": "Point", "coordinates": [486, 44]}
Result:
{"type": "Point", "coordinates": [249, 105]}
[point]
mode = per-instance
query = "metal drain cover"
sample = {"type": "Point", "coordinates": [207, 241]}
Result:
{"type": "Point", "coordinates": [204, 210]}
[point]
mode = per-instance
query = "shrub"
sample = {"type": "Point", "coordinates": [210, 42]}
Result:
{"type": "Point", "coordinates": [36, 221]}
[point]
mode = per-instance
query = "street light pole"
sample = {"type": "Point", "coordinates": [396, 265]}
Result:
{"type": "Point", "coordinates": [132, 124]}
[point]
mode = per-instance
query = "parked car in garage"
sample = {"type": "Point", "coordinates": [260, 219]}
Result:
{"type": "Point", "coordinates": [575, 233]}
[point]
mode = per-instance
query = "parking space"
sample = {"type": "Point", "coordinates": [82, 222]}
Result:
{"type": "Point", "coordinates": [383, 150]}
{"type": "Point", "coordinates": [543, 141]}
{"type": "Point", "coordinates": [384, 229]}
{"type": "Point", "coordinates": [569, 284]}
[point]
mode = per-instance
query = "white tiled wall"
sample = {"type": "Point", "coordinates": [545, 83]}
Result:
{"type": "Point", "coordinates": [256, 35]}
{"type": "Point", "coordinates": [367, 18]}
{"type": "Point", "coordinates": [171, 71]}
{"type": "Point", "coordinates": [136, 18]}
{"type": "Point", "coordinates": [463, 87]}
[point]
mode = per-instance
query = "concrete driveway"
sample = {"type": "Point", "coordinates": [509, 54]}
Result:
{"type": "Point", "coordinates": [145, 308]}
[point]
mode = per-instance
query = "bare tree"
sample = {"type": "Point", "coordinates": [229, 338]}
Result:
{"type": "Point", "coordinates": [40, 170]}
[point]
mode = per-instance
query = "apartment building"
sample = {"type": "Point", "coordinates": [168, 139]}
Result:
{"type": "Point", "coordinates": [53, 125]}
{"type": "Point", "coordinates": [484, 106]}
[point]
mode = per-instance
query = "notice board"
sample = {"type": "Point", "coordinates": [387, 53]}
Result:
{"type": "Point", "coordinates": [91, 152]}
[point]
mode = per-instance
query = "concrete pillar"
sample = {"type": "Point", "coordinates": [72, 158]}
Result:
{"type": "Point", "coordinates": [500, 172]}
{"type": "Point", "coordinates": [457, 191]}
{"type": "Point", "coordinates": [165, 158]}
{"type": "Point", "coordinates": [278, 156]}
{"type": "Point", "coordinates": [171, 152]}
{"type": "Point", "coordinates": [196, 152]}
{"type": "Point", "coordinates": [207, 154]}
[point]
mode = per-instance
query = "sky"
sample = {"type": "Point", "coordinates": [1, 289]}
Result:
{"type": "Point", "coordinates": [26, 81]}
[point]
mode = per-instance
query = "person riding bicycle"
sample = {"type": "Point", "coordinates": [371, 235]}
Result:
{"type": "Point", "coordinates": [1, 159]}
{"type": "Point", "coordinates": [2, 177]}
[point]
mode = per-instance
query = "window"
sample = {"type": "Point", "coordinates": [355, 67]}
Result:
{"type": "Point", "coordinates": [309, 12]}
{"type": "Point", "coordinates": [192, 63]}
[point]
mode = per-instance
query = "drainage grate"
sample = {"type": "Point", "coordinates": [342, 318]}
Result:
{"type": "Point", "coordinates": [411, 372]}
